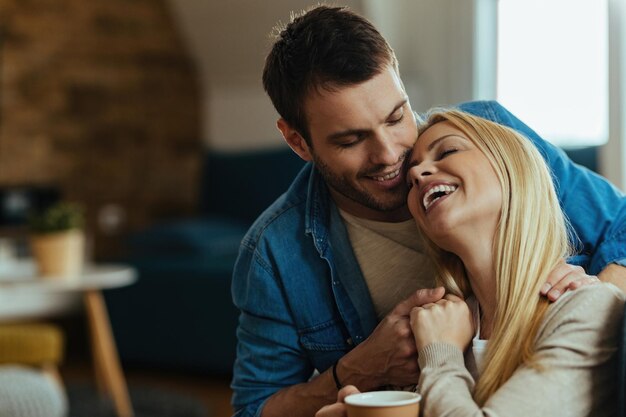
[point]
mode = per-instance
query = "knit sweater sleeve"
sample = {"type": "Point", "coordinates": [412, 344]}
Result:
{"type": "Point", "coordinates": [573, 372]}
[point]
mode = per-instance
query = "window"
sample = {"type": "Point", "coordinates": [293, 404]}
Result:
{"type": "Point", "coordinates": [552, 67]}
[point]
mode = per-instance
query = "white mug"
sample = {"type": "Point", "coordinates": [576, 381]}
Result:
{"type": "Point", "coordinates": [383, 404]}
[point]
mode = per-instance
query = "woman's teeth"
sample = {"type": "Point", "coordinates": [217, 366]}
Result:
{"type": "Point", "coordinates": [388, 176]}
{"type": "Point", "coordinates": [436, 193]}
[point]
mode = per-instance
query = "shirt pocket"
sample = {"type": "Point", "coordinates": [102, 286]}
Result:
{"type": "Point", "coordinates": [325, 343]}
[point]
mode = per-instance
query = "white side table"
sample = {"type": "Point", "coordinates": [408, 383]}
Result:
{"type": "Point", "coordinates": [24, 295]}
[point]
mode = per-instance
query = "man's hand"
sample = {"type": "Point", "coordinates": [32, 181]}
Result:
{"type": "Point", "coordinates": [566, 277]}
{"type": "Point", "coordinates": [388, 356]}
{"type": "Point", "coordinates": [615, 274]}
{"type": "Point", "coordinates": [339, 408]}
{"type": "Point", "coordinates": [447, 321]}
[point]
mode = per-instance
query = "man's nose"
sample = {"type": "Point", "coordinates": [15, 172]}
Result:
{"type": "Point", "coordinates": [385, 150]}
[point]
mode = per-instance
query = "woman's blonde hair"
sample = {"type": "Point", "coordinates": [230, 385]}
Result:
{"type": "Point", "coordinates": [531, 239]}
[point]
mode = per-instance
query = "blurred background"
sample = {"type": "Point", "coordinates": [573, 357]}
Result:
{"type": "Point", "coordinates": [151, 115]}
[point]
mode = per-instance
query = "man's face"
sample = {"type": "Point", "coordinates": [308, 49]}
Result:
{"type": "Point", "coordinates": [360, 137]}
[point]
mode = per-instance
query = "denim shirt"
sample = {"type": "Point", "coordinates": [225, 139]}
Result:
{"type": "Point", "coordinates": [303, 300]}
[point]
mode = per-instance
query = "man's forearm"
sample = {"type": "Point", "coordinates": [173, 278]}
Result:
{"type": "Point", "coordinates": [302, 399]}
{"type": "Point", "coordinates": [386, 357]}
{"type": "Point", "coordinates": [615, 274]}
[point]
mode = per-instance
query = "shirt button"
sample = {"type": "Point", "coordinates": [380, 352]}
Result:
{"type": "Point", "coordinates": [349, 341]}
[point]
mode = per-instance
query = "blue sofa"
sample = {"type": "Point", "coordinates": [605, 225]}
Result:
{"type": "Point", "coordinates": [179, 315]}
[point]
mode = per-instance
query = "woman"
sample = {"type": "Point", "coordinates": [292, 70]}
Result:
{"type": "Point", "coordinates": [484, 200]}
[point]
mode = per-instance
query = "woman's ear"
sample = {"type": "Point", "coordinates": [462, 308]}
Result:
{"type": "Point", "coordinates": [295, 141]}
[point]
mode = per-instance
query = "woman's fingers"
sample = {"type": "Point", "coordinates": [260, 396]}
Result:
{"type": "Point", "coordinates": [345, 391]}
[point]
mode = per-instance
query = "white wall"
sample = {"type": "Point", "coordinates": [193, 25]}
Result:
{"type": "Point", "coordinates": [229, 40]}
{"type": "Point", "coordinates": [613, 154]}
{"type": "Point", "coordinates": [434, 43]}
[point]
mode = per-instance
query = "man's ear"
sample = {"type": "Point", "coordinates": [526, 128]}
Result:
{"type": "Point", "coordinates": [295, 141]}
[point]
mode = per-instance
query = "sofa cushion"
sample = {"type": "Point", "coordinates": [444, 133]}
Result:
{"type": "Point", "coordinates": [205, 237]}
{"type": "Point", "coordinates": [243, 184]}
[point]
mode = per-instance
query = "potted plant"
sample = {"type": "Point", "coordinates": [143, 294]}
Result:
{"type": "Point", "coordinates": [58, 240]}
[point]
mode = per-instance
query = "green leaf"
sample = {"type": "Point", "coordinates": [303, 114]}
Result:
{"type": "Point", "coordinates": [57, 218]}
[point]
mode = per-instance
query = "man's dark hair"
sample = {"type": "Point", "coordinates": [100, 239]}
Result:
{"type": "Point", "coordinates": [324, 48]}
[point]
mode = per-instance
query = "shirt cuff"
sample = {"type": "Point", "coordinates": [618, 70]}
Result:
{"type": "Point", "coordinates": [621, 262]}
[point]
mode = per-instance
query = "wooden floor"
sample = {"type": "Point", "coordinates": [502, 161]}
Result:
{"type": "Point", "coordinates": [214, 392]}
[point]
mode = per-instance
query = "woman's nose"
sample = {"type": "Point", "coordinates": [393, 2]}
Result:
{"type": "Point", "coordinates": [426, 168]}
{"type": "Point", "coordinates": [418, 172]}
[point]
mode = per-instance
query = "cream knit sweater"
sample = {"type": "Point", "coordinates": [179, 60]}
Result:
{"type": "Point", "coordinates": [574, 347]}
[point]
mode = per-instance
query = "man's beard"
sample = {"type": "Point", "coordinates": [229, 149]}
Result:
{"type": "Point", "coordinates": [396, 197]}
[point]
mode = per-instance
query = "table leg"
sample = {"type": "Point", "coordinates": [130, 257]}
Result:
{"type": "Point", "coordinates": [105, 356]}
{"type": "Point", "coordinates": [101, 383]}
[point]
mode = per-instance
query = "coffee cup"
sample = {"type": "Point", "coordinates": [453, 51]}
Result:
{"type": "Point", "coordinates": [383, 404]}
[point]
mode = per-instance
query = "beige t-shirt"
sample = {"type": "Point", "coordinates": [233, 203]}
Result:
{"type": "Point", "coordinates": [392, 259]}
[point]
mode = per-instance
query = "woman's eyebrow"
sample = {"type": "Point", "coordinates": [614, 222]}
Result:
{"type": "Point", "coordinates": [435, 142]}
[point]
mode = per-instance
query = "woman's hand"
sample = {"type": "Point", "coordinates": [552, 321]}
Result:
{"type": "Point", "coordinates": [339, 408]}
{"type": "Point", "coordinates": [447, 321]}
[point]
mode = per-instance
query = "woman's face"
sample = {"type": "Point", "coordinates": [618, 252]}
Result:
{"type": "Point", "coordinates": [453, 189]}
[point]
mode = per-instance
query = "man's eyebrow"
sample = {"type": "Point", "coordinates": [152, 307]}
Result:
{"type": "Point", "coordinates": [355, 132]}
{"type": "Point", "coordinates": [415, 162]}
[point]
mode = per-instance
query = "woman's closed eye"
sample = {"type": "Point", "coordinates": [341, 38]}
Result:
{"type": "Point", "coordinates": [447, 152]}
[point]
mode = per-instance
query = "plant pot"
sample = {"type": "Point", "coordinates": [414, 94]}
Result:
{"type": "Point", "coordinates": [59, 254]}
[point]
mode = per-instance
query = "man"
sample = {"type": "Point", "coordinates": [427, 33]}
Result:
{"type": "Point", "coordinates": [326, 277]}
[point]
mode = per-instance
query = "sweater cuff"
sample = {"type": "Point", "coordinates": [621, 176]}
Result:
{"type": "Point", "coordinates": [439, 354]}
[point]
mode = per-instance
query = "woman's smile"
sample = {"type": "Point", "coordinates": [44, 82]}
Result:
{"type": "Point", "coordinates": [435, 193]}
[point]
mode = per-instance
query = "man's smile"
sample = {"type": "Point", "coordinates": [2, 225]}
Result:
{"type": "Point", "coordinates": [388, 176]}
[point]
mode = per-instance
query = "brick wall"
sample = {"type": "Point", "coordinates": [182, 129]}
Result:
{"type": "Point", "coordinates": [101, 98]}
